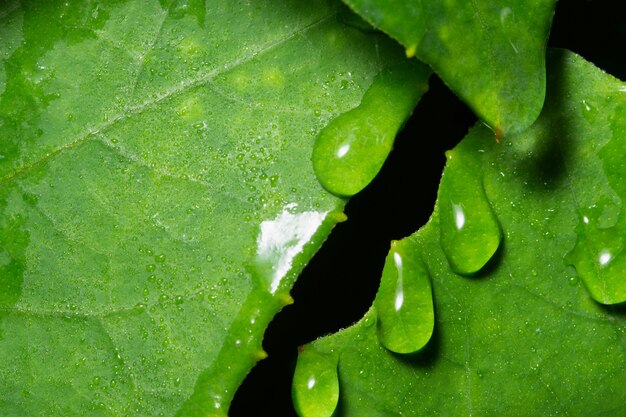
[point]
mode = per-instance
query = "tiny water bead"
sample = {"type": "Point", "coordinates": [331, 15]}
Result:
{"type": "Point", "coordinates": [351, 149]}
{"type": "Point", "coordinates": [599, 257]}
{"type": "Point", "coordinates": [404, 302]}
{"type": "Point", "coordinates": [315, 388]}
{"type": "Point", "coordinates": [470, 233]}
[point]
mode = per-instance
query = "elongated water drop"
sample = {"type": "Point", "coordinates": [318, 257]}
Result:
{"type": "Point", "coordinates": [599, 257]}
{"type": "Point", "coordinates": [470, 234]}
{"type": "Point", "coordinates": [404, 301]}
{"type": "Point", "coordinates": [315, 388]}
{"type": "Point", "coordinates": [351, 149]}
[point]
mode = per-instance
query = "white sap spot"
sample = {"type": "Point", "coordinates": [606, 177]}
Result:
{"type": "Point", "coordinates": [459, 216]}
{"type": "Point", "coordinates": [505, 12]}
{"type": "Point", "coordinates": [217, 401]}
{"type": "Point", "coordinates": [343, 150]}
{"type": "Point", "coordinates": [282, 239]}
{"type": "Point", "coordinates": [505, 15]}
{"type": "Point", "coordinates": [399, 287]}
{"type": "Point", "coordinates": [604, 258]}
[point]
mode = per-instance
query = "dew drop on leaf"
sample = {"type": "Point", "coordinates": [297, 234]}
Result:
{"type": "Point", "coordinates": [315, 387]}
{"type": "Point", "coordinates": [404, 301]}
{"type": "Point", "coordinates": [599, 257]}
{"type": "Point", "coordinates": [470, 233]}
{"type": "Point", "coordinates": [351, 149]}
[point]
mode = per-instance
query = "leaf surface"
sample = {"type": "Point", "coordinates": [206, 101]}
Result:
{"type": "Point", "coordinates": [157, 197]}
{"type": "Point", "coordinates": [492, 55]}
{"type": "Point", "coordinates": [529, 334]}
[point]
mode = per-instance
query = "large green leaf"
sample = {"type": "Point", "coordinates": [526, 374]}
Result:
{"type": "Point", "coordinates": [490, 53]}
{"type": "Point", "coordinates": [530, 334]}
{"type": "Point", "coordinates": [157, 197]}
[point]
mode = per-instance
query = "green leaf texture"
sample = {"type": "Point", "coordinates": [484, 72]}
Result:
{"type": "Point", "coordinates": [157, 197]}
{"type": "Point", "coordinates": [490, 53]}
{"type": "Point", "coordinates": [535, 331]}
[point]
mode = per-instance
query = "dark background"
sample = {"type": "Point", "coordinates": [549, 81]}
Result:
{"type": "Point", "coordinates": [339, 284]}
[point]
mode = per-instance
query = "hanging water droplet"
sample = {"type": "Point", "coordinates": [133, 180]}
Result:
{"type": "Point", "coordinates": [351, 149]}
{"type": "Point", "coordinates": [315, 384]}
{"type": "Point", "coordinates": [404, 301]}
{"type": "Point", "coordinates": [470, 234]}
{"type": "Point", "coordinates": [599, 256]}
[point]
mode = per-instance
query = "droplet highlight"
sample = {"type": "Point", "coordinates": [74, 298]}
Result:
{"type": "Point", "coordinates": [404, 303]}
{"type": "Point", "coordinates": [469, 231]}
{"type": "Point", "coordinates": [351, 149]}
{"type": "Point", "coordinates": [599, 256]}
{"type": "Point", "coordinates": [315, 388]}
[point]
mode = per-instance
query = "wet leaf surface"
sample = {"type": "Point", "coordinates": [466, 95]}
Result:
{"type": "Point", "coordinates": [492, 55]}
{"type": "Point", "coordinates": [157, 198]}
{"type": "Point", "coordinates": [529, 328]}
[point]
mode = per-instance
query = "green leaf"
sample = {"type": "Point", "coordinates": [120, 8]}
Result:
{"type": "Point", "coordinates": [525, 335]}
{"type": "Point", "coordinates": [492, 55]}
{"type": "Point", "coordinates": [350, 151]}
{"type": "Point", "coordinates": [157, 197]}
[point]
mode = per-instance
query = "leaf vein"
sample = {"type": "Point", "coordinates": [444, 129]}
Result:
{"type": "Point", "coordinates": [182, 87]}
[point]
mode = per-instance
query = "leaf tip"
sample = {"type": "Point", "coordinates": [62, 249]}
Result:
{"type": "Point", "coordinates": [339, 216]}
{"type": "Point", "coordinates": [285, 299]}
{"type": "Point", "coordinates": [260, 354]}
{"type": "Point", "coordinates": [499, 133]}
{"type": "Point", "coordinates": [410, 51]}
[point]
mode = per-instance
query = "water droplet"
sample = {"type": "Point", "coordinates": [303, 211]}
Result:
{"type": "Point", "coordinates": [589, 111]}
{"type": "Point", "coordinates": [599, 256]}
{"type": "Point", "coordinates": [470, 234]}
{"type": "Point", "coordinates": [315, 384]}
{"type": "Point", "coordinates": [404, 301]}
{"type": "Point", "coordinates": [351, 149]}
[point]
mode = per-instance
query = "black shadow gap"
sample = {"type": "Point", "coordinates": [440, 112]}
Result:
{"type": "Point", "coordinates": [338, 286]}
